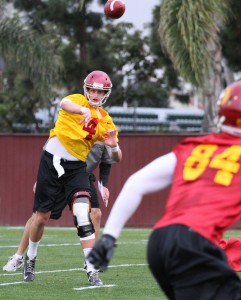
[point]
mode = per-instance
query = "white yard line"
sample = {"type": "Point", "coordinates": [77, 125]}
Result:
{"type": "Point", "coordinates": [71, 270]}
{"type": "Point", "coordinates": [77, 244]}
{"type": "Point", "coordinates": [128, 265]}
{"type": "Point", "coordinates": [66, 270]}
{"type": "Point", "coordinates": [43, 272]}
{"type": "Point", "coordinates": [94, 287]}
{"type": "Point", "coordinates": [44, 245]}
{"type": "Point", "coordinates": [12, 283]}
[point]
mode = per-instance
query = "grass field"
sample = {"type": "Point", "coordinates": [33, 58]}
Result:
{"type": "Point", "coordinates": [60, 274]}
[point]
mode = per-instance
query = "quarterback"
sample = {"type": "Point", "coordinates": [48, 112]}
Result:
{"type": "Point", "coordinates": [62, 176]}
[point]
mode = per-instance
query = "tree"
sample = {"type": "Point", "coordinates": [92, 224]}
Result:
{"type": "Point", "coordinates": [170, 74]}
{"type": "Point", "coordinates": [93, 42]}
{"type": "Point", "coordinates": [129, 61]}
{"type": "Point", "coordinates": [189, 32]}
{"type": "Point", "coordinates": [74, 24]}
{"type": "Point", "coordinates": [27, 59]}
{"type": "Point", "coordinates": [231, 37]}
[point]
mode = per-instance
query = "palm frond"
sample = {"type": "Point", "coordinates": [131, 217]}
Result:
{"type": "Point", "coordinates": [187, 28]}
{"type": "Point", "coordinates": [82, 2]}
{"type": "Point", "coordinates": [30, 54]}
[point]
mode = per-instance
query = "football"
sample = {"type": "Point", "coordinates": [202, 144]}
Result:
{"type": "Point", "coordinates": [114, 9]}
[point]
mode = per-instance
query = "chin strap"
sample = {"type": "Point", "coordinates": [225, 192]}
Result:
{"type": "Point", "coordinates": [218, 122]}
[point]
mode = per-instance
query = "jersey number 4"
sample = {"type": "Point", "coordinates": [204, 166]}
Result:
{"type": "Point", "coordinates": [201, 158]}
{"type": "Point", "coordinates": [91, 128]}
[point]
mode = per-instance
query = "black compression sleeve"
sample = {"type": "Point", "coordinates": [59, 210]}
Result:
{"type": "Point", "coordinates": [104, 173]}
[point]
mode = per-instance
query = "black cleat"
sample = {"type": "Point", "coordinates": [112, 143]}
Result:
{"type": "Point", "coordinates": [29, 269]}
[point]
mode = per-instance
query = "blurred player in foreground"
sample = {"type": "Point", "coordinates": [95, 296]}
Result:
{"type": "Point", "coordinates": [100, 154]}
{"type": "Point", "coordinates": [204, 201]}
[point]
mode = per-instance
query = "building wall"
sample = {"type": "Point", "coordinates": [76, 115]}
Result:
{"type": "Point", "coordinates": [19, 158]}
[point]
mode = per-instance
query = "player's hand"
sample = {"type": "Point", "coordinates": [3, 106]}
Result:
{"type": "Point", "coordinates": [85, 111]}
{"type": "Point", "coordinates": [109, 138]}
{"type": "Point", "coordinates": [102, 252]}
{"type": "Point", "coordinates": [106, 195]}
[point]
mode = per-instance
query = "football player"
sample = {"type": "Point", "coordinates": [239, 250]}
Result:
{"type": "Point", "coordinates": [100, 154]}
{"type": "Point", "coordinates": [62, 177]}
{"type": "Point", "coordinates": [204, 201]}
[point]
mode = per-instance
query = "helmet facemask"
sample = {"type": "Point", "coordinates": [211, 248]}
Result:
{"type": "Point", "coordinates": [101, 100]}
{"type": "Point", "coordinates": [97, 80]}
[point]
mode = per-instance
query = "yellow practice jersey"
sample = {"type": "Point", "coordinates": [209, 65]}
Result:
{"type": "Point", "coordinates": [78, 138]}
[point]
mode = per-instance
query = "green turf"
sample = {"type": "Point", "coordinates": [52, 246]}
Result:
{"type": "Point", "coordinates": [59, 268]}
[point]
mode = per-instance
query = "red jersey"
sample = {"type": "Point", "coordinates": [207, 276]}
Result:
{"type": "Point", "coordinates": [206, 187]}
{"type": "Point", "coordinates": [232, 248]}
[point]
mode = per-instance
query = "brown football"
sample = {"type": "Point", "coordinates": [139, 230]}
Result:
{"type": "Point", "coordinates": [114, 9]}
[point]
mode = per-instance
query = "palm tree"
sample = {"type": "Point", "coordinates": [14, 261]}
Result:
{"type": "Point", "coordinates": [32, 71]}
{"type": "Point", "coordinates": [28, 53]}
{"type": "Point", "coordinates": [189, 32]}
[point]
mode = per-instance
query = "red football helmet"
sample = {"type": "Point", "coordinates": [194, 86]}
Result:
{"type": "Point", "coordinates": [100, 81]}
{"type": "Point", "coordinates": [229, 106]}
